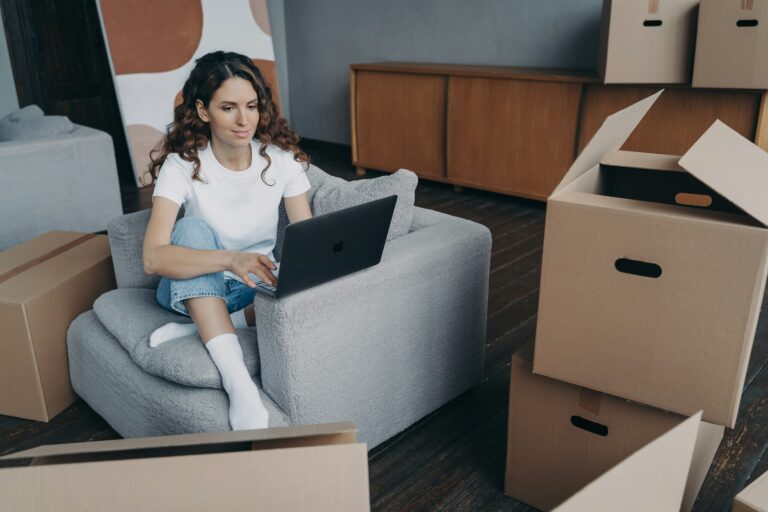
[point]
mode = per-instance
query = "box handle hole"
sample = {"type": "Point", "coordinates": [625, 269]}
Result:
{"type": "Point", "coordinates": [746, 23]}
{"type": "Point", "coordinates": [652, 23]}
{"type": "Point", "coordinates": [638, 268]}
{"type": "Point", "coordinates": [700, 200]}
{"type": "Point", "coordinates": [589, 426]}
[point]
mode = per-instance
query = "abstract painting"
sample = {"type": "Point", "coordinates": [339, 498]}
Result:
{"type": "Point", "coordinates": [153, 46]}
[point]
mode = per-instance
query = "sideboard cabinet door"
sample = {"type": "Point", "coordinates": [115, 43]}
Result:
{"type": "Point", "coordinates": [401, 122]}
{"type": "Point", "coordinates": [511, 136]}
{"type": "Point", "coordinates": [676, 120]}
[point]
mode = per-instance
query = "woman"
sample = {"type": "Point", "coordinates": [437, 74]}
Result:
{"type": "Point", "coordinates": [229, 159]}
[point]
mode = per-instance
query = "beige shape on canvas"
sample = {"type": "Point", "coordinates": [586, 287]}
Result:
{"type": "Point", "coordinates": [261, 15]}
{"type": "Point", "coordinates": [143, 139]}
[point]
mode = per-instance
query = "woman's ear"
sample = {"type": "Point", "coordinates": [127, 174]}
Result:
{"type": "Point", "coordinates": [202, 113]}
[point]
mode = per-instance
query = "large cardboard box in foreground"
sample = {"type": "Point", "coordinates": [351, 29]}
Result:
{"type": "Point", "coordinates": [561, 437]}
{"type": "Point", "coordinates": [754, 497]}
{"type": "Point", "coordinates": [732, 44]}
{"type": "Point", "coordinates": [310, 467]}
{"type": "Point", "coordinates": [44, 284]}
{"type": "Point", "coordinates": [644, 296]}
{"type": "Point", "coordinates": [647, 41]}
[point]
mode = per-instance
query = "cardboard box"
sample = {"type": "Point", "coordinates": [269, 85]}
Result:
{"type": "Point", "coordinates": [650, 479]}
{"type": "Point", "coordinates": [311, 467]}
{"type": "Point", "coordinates": [732, 44]}
{"type": "Point", "coordinates": [44, 284]}
{"type": "Point", "coordinates": [561, 437]}
{"type": "Point", "coordinates": [754, 497]}
{"type": "Point", "coordinates": [647, 41]}
{"type": "Point", "coordinates": [647, 299]}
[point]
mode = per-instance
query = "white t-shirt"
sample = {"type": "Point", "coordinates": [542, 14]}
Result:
{"type": "Point", "coordinates": [238, 205]}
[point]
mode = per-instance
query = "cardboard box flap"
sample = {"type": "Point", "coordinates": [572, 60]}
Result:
{"type": "Point", "coordinates": [732, 166]}
{"type": "Point", "coordinates": [755, 495]}
{"type": "Point", "coordinates": [191, 440]}
{"type": "Point", "coordinates": [613, 133]}
{"type": "Point", "coordinates": [653, 478]}
{"type": "Point", "coordinates": [638, 160]}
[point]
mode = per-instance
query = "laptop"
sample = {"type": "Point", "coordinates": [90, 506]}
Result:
{"type": "Point", "coordinates": [330, 246]}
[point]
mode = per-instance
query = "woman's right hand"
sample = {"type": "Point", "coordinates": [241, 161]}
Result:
{"type": "Point", "coordinates": [243, 263]}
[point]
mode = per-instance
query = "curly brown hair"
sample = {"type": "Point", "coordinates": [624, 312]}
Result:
{"type": "Point", "coordinates": [188, 134]}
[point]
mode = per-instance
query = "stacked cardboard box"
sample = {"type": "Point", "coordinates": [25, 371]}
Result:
{"type": "Point", "coordinates": [647, 41]}
{"type": "Point", "coordinates": [650, 479]}
{"type": "Point", "coordinates": [653, 274]}
{"type": "Point", "coordinates": [732, 44]}
{"type": "Point", "coordinates": [561, 437]}
{"type": "Point", "coordinates": [709, 43]}
{"type": "Point", "coordinates": [310, 467]}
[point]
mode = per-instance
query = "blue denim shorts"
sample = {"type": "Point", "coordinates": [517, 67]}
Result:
{"type": "Point", "coordinates": [171, 293]}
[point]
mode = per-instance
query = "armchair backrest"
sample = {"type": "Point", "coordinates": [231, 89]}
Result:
{"type": "Point", "coordinates": [126, 239]}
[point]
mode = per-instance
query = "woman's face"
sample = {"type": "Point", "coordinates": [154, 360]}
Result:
{"type": "Point", "coordinates": [233, 113]}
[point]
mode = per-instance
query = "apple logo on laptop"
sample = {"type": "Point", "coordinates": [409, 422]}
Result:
{"type": "Point", "coordinates": [338, 246]}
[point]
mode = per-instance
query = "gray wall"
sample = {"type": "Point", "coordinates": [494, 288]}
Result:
{"type": "Point", "coordinates": [8, 99]}
{"type": "Point", "coordinates": [276, 10]}
{"type": "Point", "coordinates": [325, 37]}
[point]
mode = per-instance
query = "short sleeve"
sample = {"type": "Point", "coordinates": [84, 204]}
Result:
{"type": "Point", "coordinates": [297, 182]}
{"type": "Point", "coordinates": [172, 182]}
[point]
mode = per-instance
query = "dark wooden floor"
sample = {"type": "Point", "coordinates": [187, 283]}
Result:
{"type": "Point", "coordinates": [454, 458]}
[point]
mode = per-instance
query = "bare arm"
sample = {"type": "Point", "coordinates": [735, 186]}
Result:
{"type": "Point", "coordinates": [160, 257]}
{"type": "Point", "coordinates": [297, 208]}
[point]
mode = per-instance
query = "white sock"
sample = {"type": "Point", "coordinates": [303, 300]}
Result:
{"type": "Point", "coordinates": [173, 330]}
{"type": "Point", "coordinates": [245, 408]}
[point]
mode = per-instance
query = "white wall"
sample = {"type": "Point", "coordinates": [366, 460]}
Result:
{"type": "Point", "coordinates": [325, 37]}
{"type": "Point", "coordinates": [8, 99]}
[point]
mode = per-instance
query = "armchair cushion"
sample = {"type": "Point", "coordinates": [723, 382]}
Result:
{"type": "Point", "coordinates": [335, 196]}
{"type": "Point", "coordinates": [131, 315]}
{"type": "Point", "coordinates": [126, 241]}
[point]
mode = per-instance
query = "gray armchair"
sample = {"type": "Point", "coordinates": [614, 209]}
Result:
{"type": "Point", "coordinates": [382, 347]}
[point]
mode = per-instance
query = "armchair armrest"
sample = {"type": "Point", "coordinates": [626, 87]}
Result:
{"type": "Point", "coordinates": [387, 345]}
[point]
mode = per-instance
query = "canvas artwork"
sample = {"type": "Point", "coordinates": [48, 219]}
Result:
{"type": "Point", "coordinates": [153, 46]}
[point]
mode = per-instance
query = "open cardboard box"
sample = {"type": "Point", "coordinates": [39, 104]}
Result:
{"type": "Point", "coordinates": [45, 283]}
{"type": "Point", "coordinates": [732, 44]}
{"type": "Point", "coordinates": [754, 497]}
{"type": "Point", "coordinates": [310, 467]}
{"type": "Point", "coordinates": [654, 270]}
{"type": "Point", "coordinates": [561, 437]}
{"type": "Point", "coordinates": [647, 41]}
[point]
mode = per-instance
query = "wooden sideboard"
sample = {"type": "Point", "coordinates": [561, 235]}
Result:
{"type": "Point", "coordinates": [517, 130]}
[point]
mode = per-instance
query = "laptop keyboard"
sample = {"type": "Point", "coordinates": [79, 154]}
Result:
{"type": "Point", "coordinates": [265, 286]}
